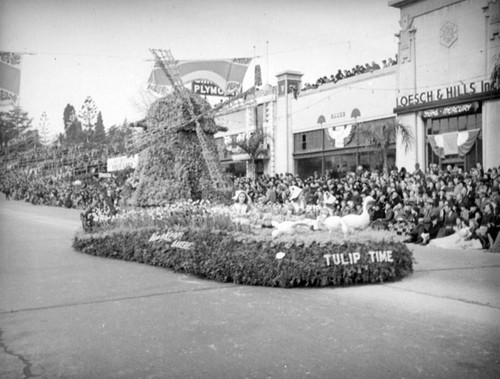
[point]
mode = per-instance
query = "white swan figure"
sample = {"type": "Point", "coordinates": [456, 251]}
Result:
{"type": "Point", "coordinates": [357, 222]}
{"type": "Point", "coordinates": [289, 227]}
{"type": "Point", "coordinates": [333, 223]}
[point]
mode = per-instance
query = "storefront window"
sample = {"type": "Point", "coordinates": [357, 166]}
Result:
{"type": "Point", "coordinates": [339, 165]}
{"type": "Point", "coordinates": [444, 125]}
{"type": "Point", "coordinates": [462, 123]}
{"type": "Point", "coordinates": [308, 141]}
{"type": "Point", "coordinates": [453, 124]}
{"type": "Point", "coordinates": [306, 167]}
{"type": "Point", "coordinates": [435, 126]}
{"type": "Point", "coordinates": [471, 121]}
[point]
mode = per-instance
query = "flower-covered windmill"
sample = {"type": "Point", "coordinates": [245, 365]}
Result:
{"type": "Point", "coordinates": [178, 152]}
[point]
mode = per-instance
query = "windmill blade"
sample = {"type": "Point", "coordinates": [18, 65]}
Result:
{"type": "Point", "coordinates": [165, 60]}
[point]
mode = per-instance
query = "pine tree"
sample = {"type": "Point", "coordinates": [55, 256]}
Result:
{"type": "Point", "coordinates": [43, 129]}
{"type": "Point", "coordinates": [88, 116]}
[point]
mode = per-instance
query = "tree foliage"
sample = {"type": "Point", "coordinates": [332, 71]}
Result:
{"type": "Point", "coordinates": [88, 117]}
{"type": "Point", "coordinates": [254, 145]}
{"type": "Point", "coordinates": [73, 133]}
{"type": "Point", "coordinates": [381, 135]}
{"type": "Point", "coordinates": [99, 132]}
{"type": "Point", "coordinates": [117, 135]}
{"type": "Point", "coordinates": [13, 124]}
{"type": "Point", "coordinates": [43, 129]}
{"type": "Point", "coordinates": [69, 115]}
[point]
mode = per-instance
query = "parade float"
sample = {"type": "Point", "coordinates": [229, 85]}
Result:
{"type": "Point", "coordinates": [179, 216]}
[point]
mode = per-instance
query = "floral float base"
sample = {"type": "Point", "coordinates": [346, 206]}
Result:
{"type": "Point", "coordinates": [256, 259]}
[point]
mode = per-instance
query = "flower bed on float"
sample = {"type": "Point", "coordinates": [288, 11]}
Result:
{"type": "Point", "coordinates": [206, 240]}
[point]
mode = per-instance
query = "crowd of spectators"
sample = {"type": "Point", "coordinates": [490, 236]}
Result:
{"type": "Point", "coordinates": [59, 188]}
{"type": "Point", "coordinates": [421, 206]}
{"type": "Point", "coordinates": [79, 156]}
{"type": "Point", "coordinates": [356, 70]}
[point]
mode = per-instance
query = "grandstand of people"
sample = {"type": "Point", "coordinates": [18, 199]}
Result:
{"type": "Point", "coordinates": [407, 202]}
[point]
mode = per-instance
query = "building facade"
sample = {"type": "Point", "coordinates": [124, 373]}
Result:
{"type": "Point", "coordinates": [441, 89]}
{"type": "Point", "coordinates": [315, 128]}
{"type": "Point", "coordinates": [256, 113]}
{"type": "Point", "coordinates": [445, 92]}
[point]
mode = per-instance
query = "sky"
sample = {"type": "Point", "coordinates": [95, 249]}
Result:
{"type": "Point", "coordinates": [72, 49]}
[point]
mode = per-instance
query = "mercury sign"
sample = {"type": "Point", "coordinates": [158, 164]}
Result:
{"type": "Point", "coordinates": [204, 87]}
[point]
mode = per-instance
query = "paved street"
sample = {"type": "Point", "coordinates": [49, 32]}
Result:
{"type": "Point", "coordinates": [67, 315]}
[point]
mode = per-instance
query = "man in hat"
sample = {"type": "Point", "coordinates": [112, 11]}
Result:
{"type": "Point", "coordinates": [424, 222]}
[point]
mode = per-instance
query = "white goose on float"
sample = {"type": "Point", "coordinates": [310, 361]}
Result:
{"type": "Point", "coordinates": [332, 223]}
{"type": "Point", "coordinates": [290, 227]}
{"type": "Point", "coordinates": [357, 222]}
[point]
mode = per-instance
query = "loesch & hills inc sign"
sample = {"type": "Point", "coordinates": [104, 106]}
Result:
{"type": "Point", "coordinates": [474, 90]}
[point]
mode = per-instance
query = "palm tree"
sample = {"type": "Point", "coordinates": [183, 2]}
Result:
{"type": "Point", "coordinates": [254, 145]}
{"type": "Point", "coordinates": [381, 135]}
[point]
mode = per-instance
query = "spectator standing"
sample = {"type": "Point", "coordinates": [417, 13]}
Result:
{"type": "Point", "coordinates": [418, 173]}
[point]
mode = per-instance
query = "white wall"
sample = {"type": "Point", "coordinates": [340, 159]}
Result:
{"type": "Point", "coordinates": [491, 135]}
{"type": "Point", "coordinates": [372, 93]}
{"type": "Point", "coordinates": [282, 137]}
{"type": "Point", "coordinates": [235, 122]}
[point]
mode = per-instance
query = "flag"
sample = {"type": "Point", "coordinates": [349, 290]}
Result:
{"type": "Point", "coordinates": [340, 135]}
{"type": "Point", "coordinates": [453, 143]}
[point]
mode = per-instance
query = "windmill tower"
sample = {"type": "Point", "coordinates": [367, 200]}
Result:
{"type": "Point", "coordinates": [178, 154]}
